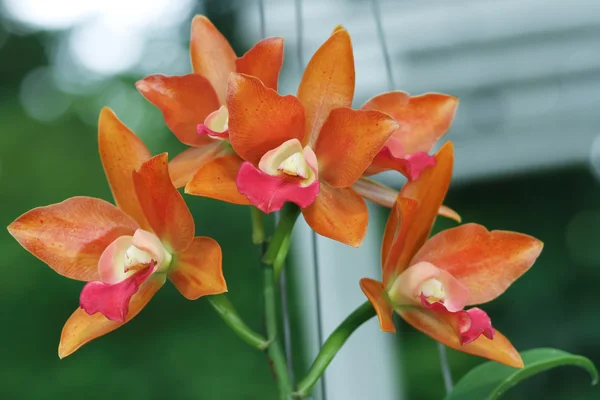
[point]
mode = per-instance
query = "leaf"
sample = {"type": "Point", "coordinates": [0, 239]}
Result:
{"type": "Point", "coordinates": [491, 380]}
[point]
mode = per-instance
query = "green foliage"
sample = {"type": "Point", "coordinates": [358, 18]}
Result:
{"type": "Point", "coordinates": [491, 380]}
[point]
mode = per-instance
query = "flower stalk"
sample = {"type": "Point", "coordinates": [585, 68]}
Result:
{"type": "Point", "coordinates": [222, 305]}
{"type": "Point", "coordinates": [280, 243]}
{"type": "Point", "coordinates": [258, 228]}
{"type": "Point", "coordinates": [332, 345]}
{"type": "Point", "coordinates": [275, 350]}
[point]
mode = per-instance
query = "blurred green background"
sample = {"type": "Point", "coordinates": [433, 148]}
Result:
{"type": "Point", "coordinates": [180, 349]}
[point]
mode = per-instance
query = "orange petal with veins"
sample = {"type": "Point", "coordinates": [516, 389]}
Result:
{"type": "Point", "coordinates": [183, 167]}
{"type": "Point", "coordinates": [82, 328]}
{"type": "Point", "coordinates": [259, 118]}
{"type": "Point", "coordinates": [328, 82]}
{"type": "Point", "coordinates": [348, 142]}
{"type": "Point", "coordinates": [429, 190]}
{"type": "Point", "coordinates": [487, 263]}
{"type": "Point", "coordinates": [216, 180]}
{"type": "Point", "coordinates": [71, 236]}
{"type": "Point", "coordinates": [375, 293]}
{"type": "Point", "coordinates": [398, 225]}
{"type": "Point", "coordinates": [198, 270]}
{"type": "Point", "coordinates": [211, 54]}
{"type": "Point", "coordinates": [263, 60]}
{"type": "Point", "coordinates": [163, 205]}
{"type": "Point", "coordinates": [422, 120]}
{"type": "Point", "coordinates": [121, 153]}
{"type": "Point", "coordinates": [185, 102]}
{"type": "Point", "coordinates": [339, 214]}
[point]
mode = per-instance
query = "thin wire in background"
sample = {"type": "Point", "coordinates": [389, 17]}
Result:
{"type": "Point", "coordinates": [285, 315]}
{"type": "Point", "coordinates": [381, 36]}
{"type": "Point", "coordinates": [446, 373]}
{"type": "Point", "coordinates": [300, 56]}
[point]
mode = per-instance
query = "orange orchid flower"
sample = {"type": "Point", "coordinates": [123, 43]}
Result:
{"type": "Point", "coordinates": [428, 282]}
{"type": "Point", "coordinates": [194, 107]}
{"type": "Point", "coordinates": [125, 253]}
{"type": "Point", "coordinates": [307, 149]}
{"type": "Point", "coordinates": [422, 121]}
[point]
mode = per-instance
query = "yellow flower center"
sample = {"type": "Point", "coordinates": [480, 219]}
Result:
{"type": "Point", "coordinates": [295, 165]}
{"type": "Point", "coordinates": [433, 290]}
{"type": "Point", "coordinates": [218, 121]}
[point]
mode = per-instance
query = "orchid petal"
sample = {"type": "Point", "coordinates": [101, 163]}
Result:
{"type": "Point", "coordinates": [447, 212]}
{"type": "Point", "coordinates": [183, 167]}
{"type": "Point", "coordinates": [376, 192]}
{"type": "Point", "coordinates": [348, 142]}
{"type": "Point", "coordinates": [81, 327]}
{"type": "Point", "coordinates": [327, 83]}
{"type": "Point", "coordinates": [385, 196]}
{"type": "Point", "coordinates": [443, 327]}
{"type": "Point", "coordinates": [376, 294]}
{"type": "Point", "coordinates": [423, 120]}
{"type": "Point", "coordinates": [429, 190]}
{"type": "Point", "coordinates": [163, 205]}
{"type": "Point", "coordinates": [485, 262]}
{"type": "Point", "coordinates": [398, 225]}
{"type": "Point", "coordinates": [211, 54]}
{"type": "Point", "coordinates": [270, 192]}
{"type": "Point", "coordinates": [411, 165]}
{"type": "Point", "coordinates": [339, 214]}
{"type": "Point", "coordinates": [112, 300]}
{"type": "Point", "coordinates": [263, 60]}
{"type": "Point", "coordinates": [198, 270]}
{"type": "Point", "coordinates": [216, 180]}
{"type": "Point", "coordinates": [121, 152]}
{"type": "Point", "coordinates": [185, 101]}
{"type": "Point", "coordinates": [259, 118]}
{"type": "Point", "coordinates": [71, 236]}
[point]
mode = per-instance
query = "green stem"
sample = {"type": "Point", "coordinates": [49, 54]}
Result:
{"type": "Point", "coordinates": [275, 351]}
{"type": "Point", "coordinates": [332, 345]}
{"type": "Point", "coordinates": [258, 229]}
{"type": "Point", "coordinates": [227, 312]}
{"type": "Point", "coordinates": [280, 243]}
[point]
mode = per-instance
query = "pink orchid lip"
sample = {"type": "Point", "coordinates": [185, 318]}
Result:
{"type": "Point", "coordinates": [288, 173]}
{"type": "Point", "coordinates": [479, 323]}
{"type": "Point", "coordinates": [269, 193]}
{"type": "Point", "coordinates": [112, 300]}
{"type": "Point", "coordinates": [470, 324]}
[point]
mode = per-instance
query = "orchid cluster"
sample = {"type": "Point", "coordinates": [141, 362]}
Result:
{"type": "Point", "coordinates": [310, 153]}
